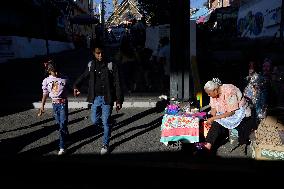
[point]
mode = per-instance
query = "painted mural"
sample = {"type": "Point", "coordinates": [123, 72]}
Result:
{"type": "Point", "coordinates": [252, 23]}
{"type": "Point", "coordinates": [259, 18]}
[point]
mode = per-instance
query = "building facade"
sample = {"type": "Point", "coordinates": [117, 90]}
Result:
{"type": "Point", "coordinates": [214, 4]}
{"type": "Point", "coordinates": [80, 7]}
{"type": "Point", "coordinates": [124, 13]}
{"type": "Point", "coordinates": [31, 28]}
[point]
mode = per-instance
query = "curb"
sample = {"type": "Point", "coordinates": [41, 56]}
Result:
{"type": "Point", "coordinates": [74, 105]}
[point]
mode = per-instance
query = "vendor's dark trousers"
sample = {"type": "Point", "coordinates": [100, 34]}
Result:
{"type": "Point", "coordinates": [216, 130]}
{"type": "Point", "coordinates": [244, 130]}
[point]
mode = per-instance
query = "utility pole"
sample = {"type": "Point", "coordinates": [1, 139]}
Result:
{"type": "Point", "coordinates": [282, 23]}
{"type": "Point", "coordinates": [45, 22]}
{"type": "Point", "coordinates": [222, 15]}
{"type": "Point", "coordinates": [181, 82]}
{"type": "Point", "coordinates": [103, 17]}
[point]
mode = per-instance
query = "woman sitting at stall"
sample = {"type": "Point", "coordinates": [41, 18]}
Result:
{"type": "Point", "coordinates": [228, 109]}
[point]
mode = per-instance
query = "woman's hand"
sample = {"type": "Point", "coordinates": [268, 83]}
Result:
{"type": "Point", "coordinates": [224, 115]}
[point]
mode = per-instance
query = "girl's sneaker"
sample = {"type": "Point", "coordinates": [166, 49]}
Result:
{"type": "Point", "coordinates": [104, 150]}
{"type": "Point", "coordinates": [61, 152]}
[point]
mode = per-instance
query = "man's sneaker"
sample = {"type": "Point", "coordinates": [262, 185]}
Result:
{"type": "Point", "coordinates": [104, 150]}
{"type": "Point", "coordinates": [61, 152]}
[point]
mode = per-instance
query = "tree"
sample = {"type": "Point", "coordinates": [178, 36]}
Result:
{"type": "Point", "coordinates": [155, 11]}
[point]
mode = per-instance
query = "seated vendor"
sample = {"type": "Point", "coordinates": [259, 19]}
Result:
{"type": "Point", "coordinates": [228, 111]}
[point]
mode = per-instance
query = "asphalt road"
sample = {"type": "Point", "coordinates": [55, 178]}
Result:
{"type": "Point", "coordinates": [29, 146]}
{"type": "Point", "coordinates": [135, 130]}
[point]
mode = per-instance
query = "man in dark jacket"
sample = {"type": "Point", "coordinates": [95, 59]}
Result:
{"type": "Point", "coordinates": [104, 90]}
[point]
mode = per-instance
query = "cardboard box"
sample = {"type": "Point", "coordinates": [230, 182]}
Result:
{"type": "Point", "coordinates": [274, 121]}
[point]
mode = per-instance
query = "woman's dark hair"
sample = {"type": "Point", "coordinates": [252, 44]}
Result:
{"type": "Point", "coordinates": [50, 65]}
{"type": "Point", "coordinates": [256, 65]}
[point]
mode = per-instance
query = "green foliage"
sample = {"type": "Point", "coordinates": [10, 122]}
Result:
{"type": "Point", "coordinates": [156, 11]}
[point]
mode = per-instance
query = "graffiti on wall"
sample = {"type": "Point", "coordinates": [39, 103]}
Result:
{"type": "Point", "coordinates": [251, 24]}
{"type": "Point", "coordinates": [274, 17]}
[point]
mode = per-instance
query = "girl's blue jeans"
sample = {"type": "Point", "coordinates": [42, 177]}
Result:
{"type": "Point", "coordinates": [60, 111]}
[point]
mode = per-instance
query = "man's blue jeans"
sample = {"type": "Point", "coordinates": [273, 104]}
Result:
{"type": "Point", "coordinates": [61, 117]}
{"type": "Point", "coordinates": [101, 110]}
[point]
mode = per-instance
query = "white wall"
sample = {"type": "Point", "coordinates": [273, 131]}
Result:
{"type": "Point", "coordinates": [154, 34]}
{"type": "Point", "coordinates": [12, 47]}
{"type": "Point", "coordinates": [152, 38]}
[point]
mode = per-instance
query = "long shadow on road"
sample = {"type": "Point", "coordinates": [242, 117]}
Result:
{"type": "Point", "coordinates": [12, 146]}
{"type": "Point", "coordinates": [146, 128]}
{"type": "Point", "coordinates": [116, 127]}
{"type": "Point", "coordinates": [78, 136]}
{"type": "Point", "coordinates": [90, 131]}
{"type": "Point", "coordinates": [38, 123]}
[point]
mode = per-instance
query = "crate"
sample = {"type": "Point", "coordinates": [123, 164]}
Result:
{"type": "Point", "coordinates": [267, 152]}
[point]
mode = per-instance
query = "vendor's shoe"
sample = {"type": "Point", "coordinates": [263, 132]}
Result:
{"type": "Point", "coordinates": [201, 150]}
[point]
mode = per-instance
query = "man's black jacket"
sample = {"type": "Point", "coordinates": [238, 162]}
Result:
{"type": "Point", "coordinates": [112, 85]}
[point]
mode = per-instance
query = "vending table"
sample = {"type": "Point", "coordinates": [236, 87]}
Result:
{"type": "Point", "coordinates": [184, 128]}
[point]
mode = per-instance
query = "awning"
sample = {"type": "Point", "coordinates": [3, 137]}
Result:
{"type": "Point", "coordinates": [202, 15]}
{"type": "Point", "coordinates": [84, 19]}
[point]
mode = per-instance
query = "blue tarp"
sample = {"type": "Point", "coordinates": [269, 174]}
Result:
{"type": "Point", "coordinates": [202, 13]}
